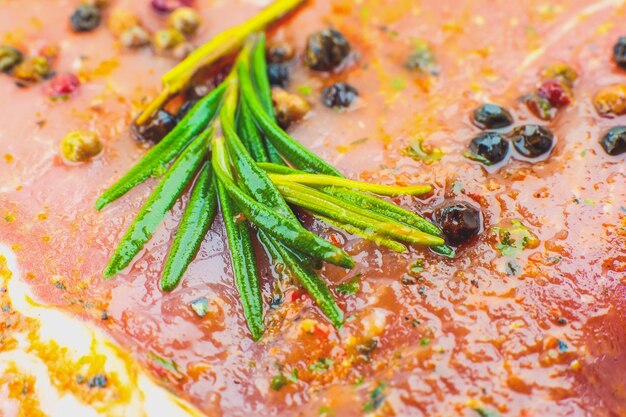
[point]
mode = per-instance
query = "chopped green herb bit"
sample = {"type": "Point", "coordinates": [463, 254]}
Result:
{"type": "Point", "coordinates": [514, 238]}
{"type": "Point", "coordinates": [377, 397]}
{"type": "Point", "coordinates": [417, 267]}
{"type": "Point", "coordinates": [321, 365]}
{"type": "Point", "coordinates": [350, 287]}
{"type": "Point", "coordinates": [359, 381]}
{"type": "Point", "coordinates": [424, 341]}
{"type": "Point", "coordinates": [478, 158]}
{"type": "Point", "coordinates": [398, 83]}
{"type": "Point", "coordinates": [294, 375]}
{"type": "Point", "coordinates": [278, 381]}
{"type": "Point", "coordinates": [418, 152]}
{"type": "Point", "coordinates": [325, 411]}
{"type": "Point", "coordinates": [561, 345]}
{"type": "Point", "coordinates": [166, 364]}
{"type": "Point", "coordinates": [484, 412]}
{"type": "Point", "coordinates": [305, 90]}
{"type": "Point", "coordinates": [200, 306]}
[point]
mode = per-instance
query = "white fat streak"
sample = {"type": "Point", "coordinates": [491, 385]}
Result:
{"type": "Point", "coordinates": [81, 340]}
{"type": "Point", "coordinates": [567, 27]}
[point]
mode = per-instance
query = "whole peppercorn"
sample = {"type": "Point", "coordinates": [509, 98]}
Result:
{"type": "Point", "coordinates": [532, 141]}
{"type": "Point", "coordinates": [557, 94]}
{"type": "Point", "coordinates": [167, 6]}
{"type": "Point", "coordinates": [611, 100]}
{"type": "Point", "coordinates": [167, 39]}
{"type": "Point", "coordinates": [85, 18]}
{"type": "Point", "coordinates": [339, 95]}
{"type": "Point", "coordinates": [32, 70]}
{"type": "Point", "coordinates": [62, 86]}
{"type": "Point", "coordinates": [10, 57]}
{"type": "Point", "coordinates": [491, 147]}
{"type": "Point", "coordinates": [619, 52]}
{"type": "Point", "coordinates": [155, 129]}
{"type": "Point", "coordinates": [80, 146]}
{"type": "Point", "coordinates": [289, 107]}
{"type": "Point", "coordinates": [185, 20]}
{"type": "Point", "coordinates": [278, 74]}
{"type": "Point", "coordinates": [278, 52]}
{"type": "Point", "coordinates": [135, 37]}
{"type": "Point", "coordinates": [326, 50]}
{"type": "Point", "coordinates": [459, 221]}
{"type": "Point", "coordinates": [614, 141]}
{"type": "Point", "coordinates": [492, 116]}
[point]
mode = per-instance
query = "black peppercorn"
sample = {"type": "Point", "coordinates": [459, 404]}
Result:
{"type": "Point", "coordinates": [85, 18]}
{"type": "Point", "coordinates": [532, 141]}
{"type": "Point", "coordinates": [619, 52]}
{"type": "Point", "coordinates": [614, 141]}
{"type": "Point", "coordinates": [155, 129]}
{"type": "Point", "coordinates": [491, 116]}
{"type": "Point", "coordinates": [459, 221]}
{"type": "Point", "coordinates": [339, 95]}
{"type": "Point", "coordinates": [490, 147]}
{"type": "Point", "coordinates": [278, 74]}
{"type": "Point", "coordinates": [326, 50]}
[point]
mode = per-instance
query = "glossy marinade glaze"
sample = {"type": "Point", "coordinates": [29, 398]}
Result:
{"type": "Point", "coordinates": [539, 331]}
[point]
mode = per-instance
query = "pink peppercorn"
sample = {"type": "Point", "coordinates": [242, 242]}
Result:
{"type": "Point", "coordinates": [167, 6]}
{"type": "Point", "coordinates": [556, 93]}
{"type": "Point", "coordinates": [62, 85]}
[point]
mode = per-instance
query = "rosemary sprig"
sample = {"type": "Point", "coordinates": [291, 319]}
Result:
{"type": "Point", "coordinates": [196, 222]}
{"type": "Point", "coordinates": [252, 190]}
{"type": "Point", "coordinates": [159, 203]}
{"type": "Point", "coordinates": [165, 151]}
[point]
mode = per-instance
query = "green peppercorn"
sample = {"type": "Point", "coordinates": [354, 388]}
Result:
{"type": "Point", "coordinates": [9, 58]}
{"type": "Point", "coordinates": [33, 70]}
{"type": "Point", "coordinates": [185, 20]}
{"type": "Point", "coordinates": [80, 146]}
{"type": "Point", "coordinates": [167, 39]}
{"type": "Point", "coordinates": [135, 37]}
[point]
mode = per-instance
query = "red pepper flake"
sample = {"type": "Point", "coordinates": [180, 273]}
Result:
{"type": "Point", "coordinates": [336, 239]}
{"type": "Point", "coordinates": [556, 93]}
{"type": "Point", "coordinates": [321, 331]}
{"type": "Point", "coordinates": [296, 295]}
{"type": "Point", "coordinates": [62, 86]}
